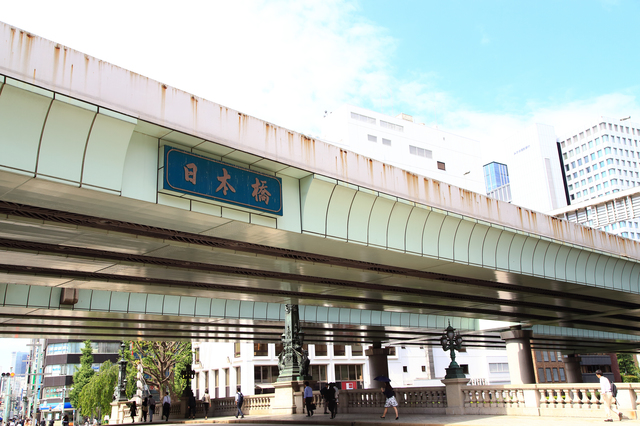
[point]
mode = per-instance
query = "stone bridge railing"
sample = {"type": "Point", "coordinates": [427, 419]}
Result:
{"type": "Point", "coordinates": [553, 400]}
{"type": "Point", "coordinates": [557, 400]}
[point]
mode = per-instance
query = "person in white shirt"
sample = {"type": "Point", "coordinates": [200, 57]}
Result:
{"type": "Point", "coordinates": [166, 406]}
{"type": "Point", "coordinates": [607, 397]}
{"type": "Point", "coordinates": [239, 402]}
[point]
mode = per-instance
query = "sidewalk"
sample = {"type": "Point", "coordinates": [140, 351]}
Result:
{"type": "Point", "coordinates": [406, 420]}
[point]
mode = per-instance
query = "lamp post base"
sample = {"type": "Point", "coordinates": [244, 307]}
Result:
{"type": "Point", "coordinates": [454, 373]}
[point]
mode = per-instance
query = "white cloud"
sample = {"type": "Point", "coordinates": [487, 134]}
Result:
{"type": "Point", "coordinates": [282, 61]}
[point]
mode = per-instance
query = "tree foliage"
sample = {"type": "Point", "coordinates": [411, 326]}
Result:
{"type": "Point", "coordinates": [163, 363]}
{"type": "Point", "coordinates": [97, 395]}
{"type": "Point", "coordinates": [83, 375]}
{"type": "Point", "coordinates": [628, 368]}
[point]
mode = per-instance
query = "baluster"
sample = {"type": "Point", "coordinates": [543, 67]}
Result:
{"type": "Point", "coordinates": [594, 402]}
{"type": "Point", "coordinates": [466, 398]}
{"type": "Point", "coordinates": [584, 401]}
{"type": "Point", "coordinates": [544, 402]}
{"type": "Point", "coordinates": [566, 401]}
{"type": "Point", "coordinates": [500, 398]}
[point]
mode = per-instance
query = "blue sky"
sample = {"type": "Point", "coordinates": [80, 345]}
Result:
{"type": "Point", "coordinates": [480, 68]}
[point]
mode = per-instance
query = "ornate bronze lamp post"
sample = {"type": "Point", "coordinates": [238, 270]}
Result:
{"type": "Point", "coordinates": [120, 393]}
{"type": "Point", "coordinates": [451, 340]}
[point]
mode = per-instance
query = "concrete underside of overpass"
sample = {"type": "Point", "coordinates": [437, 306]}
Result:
{"type": "Point", "coordinates": [82, 207]}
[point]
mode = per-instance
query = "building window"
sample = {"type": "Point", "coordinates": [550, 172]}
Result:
{"type": "Point", "coordinates": [420, 152]}
{"type": "Point", "coordinates": [548, 371]}
{"type": "Point", "coordinates": [318, 372]}
{"type": "Point", "coordinates": [266, 373]}
{"type": "Point", "coordinates": [556, 378]}
{"type": "Point", "coordinates": [387, 125]}
{"type": "Point", "coordinates": [356, 350]}
{"type": "Point", "coordinates": [392, 350]}
{"type": "Point", "coordinates": [424, 368]}
{"type": "Point", "coordinates": [545, 355]}
{"type": "Point", "coordinates": [348, 372]}
{"type": "Point", "coordinates": [372, 138]}
{"type": "Point", "coordinates": [339, 350]}
{"type": "Point", "coordinates": [386, 142]}
{"type": "Point", "coordinates": [441, 166]}
{"type": "Point", "coordinates": [498, 367]}
{"type": "Point", "coordinates": [196, 355]}
{"type": "Point", "coordinates": [538, 356]}
{"type": "Point", "coordinates": [260, 349]}
{"type": "Point", "coordinates": [552, 356]}
{"type": "Point", "coordinates": [236, 350]}
{"type": "Point", "coordinates": [321, 350]}
{"type": "Point", "coordinates": [238, 376]}
{"type": "Point", "coordinates": [363, 118]}
{"type": "Point", "coordinates": [541, 375]}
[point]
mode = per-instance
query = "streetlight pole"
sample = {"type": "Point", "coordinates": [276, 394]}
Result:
{"type": "Point", "coordinates": [451, 340]}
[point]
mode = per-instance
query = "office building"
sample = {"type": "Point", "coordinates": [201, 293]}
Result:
{"type": "Point", "coordinates": [19, 362]}
{"type": "Point", "coordinates": [525, 170]}
{"type": "Point", "coordinates": [221, 367]}
{"type": "Point", "coordinates": [601, 158]}
{"type": "Point", "coordinates": [401, 142]}
{"type": "Point", "coordinates": [61, 359]}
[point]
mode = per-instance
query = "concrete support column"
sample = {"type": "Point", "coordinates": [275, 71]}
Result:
{"type": "Point", "coordinates": [377, 363]}
{"type": "Point", "coordinates": [572, 369]}
{"type": "Point", "coordinates": [519, 356]}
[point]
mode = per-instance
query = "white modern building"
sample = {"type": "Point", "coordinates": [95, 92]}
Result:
{"type": "Point", "coordinates": [603, 182]}
{"type": "Point", "coordinates": [533, 170]}
{"type": "Point", "coordinates": [400, 141]}
{"type": "Point", "coordinates": [601, 158]}
{"type": "Point", "coordinates": [222, 367]}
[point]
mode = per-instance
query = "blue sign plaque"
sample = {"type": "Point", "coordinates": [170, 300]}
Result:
{"type": "Point", "coordinates": [207, 178]}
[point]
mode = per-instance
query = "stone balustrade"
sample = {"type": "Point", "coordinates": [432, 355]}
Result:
{"type": "Point", "coordinates": [552, 399]}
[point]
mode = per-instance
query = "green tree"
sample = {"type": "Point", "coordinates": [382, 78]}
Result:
{"type": "Point", "coordinates": [97, 395]}
{"type": "Point", "coordinates": [628, 368]}
{"type": "Point", "coordinates": [163, 363]}
{"type": "Point", "coordinates": [83, 375]}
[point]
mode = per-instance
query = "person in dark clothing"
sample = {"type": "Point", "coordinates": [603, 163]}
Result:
{"type": "Point", "coordinates": [152, 407]}
{"type": "Point", "coordinates": [191, 413]}
{"type": "Point", "coordinates": [390, 400]}
{"type": "Point", "coordinates": [133, 409]}
{"type": "Point", "coordinates": [145, 409]}
{"type": "Point", "coordinates": [323, 394]}
{"type": "Point", "coordinates": [331, 400]}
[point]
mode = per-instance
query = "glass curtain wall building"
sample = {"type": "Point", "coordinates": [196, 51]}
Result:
{"type": "Point", "coordinates": [496, 181]}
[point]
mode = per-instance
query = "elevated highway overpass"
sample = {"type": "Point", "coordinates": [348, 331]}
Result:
{"type": "Point", "coordinates": [89, 210]}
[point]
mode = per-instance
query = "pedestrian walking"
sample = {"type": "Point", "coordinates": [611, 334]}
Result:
{"type": "Point", "coordinates": [145, 408]}
{"type": "Point", "coordinates": [331, 400]}
{"type": "Point", "coordinates": [206, 401]}
{"type": "Point", "coordinates": [133, 408]}
{"type": "Point", "coordinates": [607, 397]}
{"type": "Point", "coordinates": [323, 394]}
{"type": "Point", "coordinates": [166, 406]}
{"type": "Point", "coordinates": [308, 398]}
{"type": "Point", "coordinates": [239, 402]}
{"type": "Point", "coordinates": [152, 408]}
{"type": "Point", "coordinates": [191, 404]}
{"type": "Point", "coordinates": [390, 401]}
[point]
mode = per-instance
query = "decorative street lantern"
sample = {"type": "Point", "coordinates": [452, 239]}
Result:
{"type": "Point", "coordinates": [120, 393]}
{"type": "Point", "coordinates": [452, 341]}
